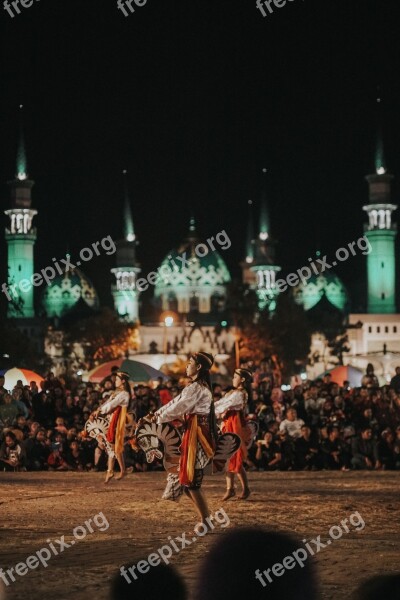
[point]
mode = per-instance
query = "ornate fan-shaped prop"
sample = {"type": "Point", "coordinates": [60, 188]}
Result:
{"type": "Point", "coordinates": [227, 445]}
{"type": "Point", "coordinates": [159, 441]}
{"type": "Point", "coordinates": [162, 441]}
{"type": "Point", "coordinates": [97, 429]}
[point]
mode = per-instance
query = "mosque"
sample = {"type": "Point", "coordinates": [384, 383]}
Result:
{"type": "Point", "coordinates": [192, 298]}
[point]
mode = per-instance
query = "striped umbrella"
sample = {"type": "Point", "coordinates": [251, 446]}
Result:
{"type": "Point", "coordinates": [26, 376]}
{"type": "Point", "coordinates": [138, 372]}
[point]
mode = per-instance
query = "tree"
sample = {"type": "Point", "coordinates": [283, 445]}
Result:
{"type": "Point", "coordinates": [103, 336]}
{"type": "Point", "coordinates": [19, 348]}
{"type": "Point", "coordinates": [283, 338]}
{"type": "Point", "coordinates": [331, 322]}
{"type": "Point", "coordinates": [290, 334]}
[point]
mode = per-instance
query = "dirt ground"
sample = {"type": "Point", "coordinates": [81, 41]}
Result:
{"type": "Point", "coordinates": [35, 507]}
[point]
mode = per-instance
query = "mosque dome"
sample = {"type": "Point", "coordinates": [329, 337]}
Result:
{"type": "Point", "coordinates": [67, 291]}
{"type": "Point", "coordinates": [193, 277]}
{"type": "Point", "coordinates": [325, 285]}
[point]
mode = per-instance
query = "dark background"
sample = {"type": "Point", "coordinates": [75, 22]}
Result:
{"type": "Point", "coordinates": [194, 97]}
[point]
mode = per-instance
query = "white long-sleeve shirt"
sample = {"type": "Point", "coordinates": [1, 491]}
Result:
{"type": "Point", "coordinates": [195, 398]}
{"type": "Point", "coordinates": [119, 399]}
{"type": "Point", "coordinates": [233, 400]}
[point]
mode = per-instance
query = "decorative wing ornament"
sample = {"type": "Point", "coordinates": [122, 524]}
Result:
{"type": "Point", "coordinates": [97, 429]}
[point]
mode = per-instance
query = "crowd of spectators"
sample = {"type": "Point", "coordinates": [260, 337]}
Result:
{"type": "Point", "coordinates": [43, 429]}
{"type": "Point", "coordinates": [316, 425]}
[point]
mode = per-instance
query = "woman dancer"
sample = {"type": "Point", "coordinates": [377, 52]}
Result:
{"type": "Point", "coordinates": [116, 405]}
{"type": "Point", "coordinates": [231, 408]}
{"type": "Point", "coordinates": [195, 406]}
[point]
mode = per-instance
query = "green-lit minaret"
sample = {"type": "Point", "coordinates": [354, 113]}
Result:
{"type": "Point", "coordinates": [124, 291]}
{"type": "Point", "coordinates": [381, 233]}
{"type": "Point", "coordinates": [21, 237]}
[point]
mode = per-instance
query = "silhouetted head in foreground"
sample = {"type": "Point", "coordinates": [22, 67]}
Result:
{"type": "Point", "coordinates": [141, 581]}
{"type": "Point", "coordinates": [380, 587]}
{"type": "Point", "coordinates": [257, 564]}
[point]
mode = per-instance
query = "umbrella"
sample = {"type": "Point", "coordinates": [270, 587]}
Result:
{"type": "Point", "coordinates": [137, 371]}
{"type": "Point", "coordinates": [341, 373]}
{"type": "Point", "coordinates": [26, 376]}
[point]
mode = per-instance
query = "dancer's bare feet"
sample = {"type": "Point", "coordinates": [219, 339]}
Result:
{"type": "Point", "coordinates": [245, 494]}
{"type": "Point", "coordinates": [121, 475]}
{"type": "Point", "coordinates": [109, 475]}
{"type": "Point", "coordinates": [230, 493]}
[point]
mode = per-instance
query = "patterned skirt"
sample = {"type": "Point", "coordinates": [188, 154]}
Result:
{"type": "Point", "coordinates": [197, 438]}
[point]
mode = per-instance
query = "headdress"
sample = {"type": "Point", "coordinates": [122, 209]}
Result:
{"type": "Point", "coordinates": [204, 359]}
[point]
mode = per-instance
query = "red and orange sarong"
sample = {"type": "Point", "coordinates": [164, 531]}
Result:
{"type": "Point", "coordinates": [116, 429]}
{"type": "Point", "coordinates": [234, 422]}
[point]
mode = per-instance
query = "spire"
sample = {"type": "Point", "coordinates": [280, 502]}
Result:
{"type": "Point", "coordinates": [129, 231]}
{"type": "Point", "coordinates": [380, 162]}
{"type": "Point", "coordinates": [192, 224]}
{"type": "Point", "coordinates": [22, 173]}
{"type": "Point", "coordinates": [264, 216]}
{"type": "Point", "coordinates": [250, 235]}
{"type": "Point", "coordinates": [192, 235]}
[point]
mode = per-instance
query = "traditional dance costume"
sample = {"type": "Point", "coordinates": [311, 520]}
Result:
{"type": "Point", "coordinates": [194, 405]}
{"type": "Point", "coordinates": [117, 405]}
{"type": "Point", "coordinates": [231, 408]}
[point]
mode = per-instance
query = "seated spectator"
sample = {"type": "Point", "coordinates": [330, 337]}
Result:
{"type": "Point", "coordinates": [43, 409]}
{"type": "Point", "coordinates": [268, 456]}
{"type": "Point", "coordinates": [291, 424]}
{"type": "Point", "coordinates": [37, 451]}
{"type": "Point", "coordinates": [75, 458]}
{"type": "Point", "coordinates": [386, 450]}
{"type": "Point", "coordinates": [287, 449]}
{"type": "Point", "coordinates": [12, 455]}
{"type": "Point", "coordinates": [56, 461]}
{"type": "Point", "coordinates": [239, 565]}
{"type": "Point", "coordinates": [370, 380]}
{"type": "Point", "coordinates": [306, 451]}
{"type": "Point", "coordinates": [16, 396]}
{"type": "Point", "coordinates": [365, 451]}
{"type": "Point", "coordinates": [2, 388]}
{"type": "Point", "coordinates": [8, 411]}
{"type": "Point", "coordinates": [394, 382]}
{"type": "Point", "coordinates": [60, 426]}
{"type": "Point", "coordinates": [22, 426]}
{"type": "Point", "coordinates": [333, 451]}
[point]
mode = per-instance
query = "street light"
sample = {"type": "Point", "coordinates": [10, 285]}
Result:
{"type": "Point", "coordinates": [168, 321]}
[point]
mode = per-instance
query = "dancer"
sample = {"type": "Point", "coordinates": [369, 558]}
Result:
{"type": "Point", "coordinates": [195, 406]}
{"type": "Point", "coordinates": [116, 406]}
{"type": "Point", "coordinates": [231, 408]}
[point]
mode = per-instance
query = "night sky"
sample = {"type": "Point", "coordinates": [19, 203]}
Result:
{"type": "Point", "coordinates": [194, 98]}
